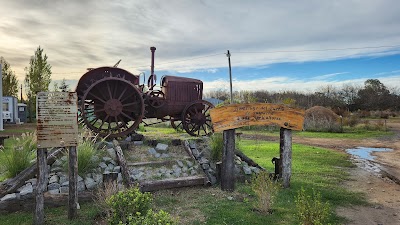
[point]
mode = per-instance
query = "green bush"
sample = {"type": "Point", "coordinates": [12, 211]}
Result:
{"type": "Point", "coordinates": [14, 159]}
{"type": "Point", "coordinates": [217, 146]}
{"type": "Point", "coordinates": [151, 218]}
{"type": "Point", "coordinates": [125, 205]}
{"type": "Point", "coordinates": [266, 190]}
{"type": "Point", "coordinates": [310, 208]}
{"type": "Point", "coordinates": [133, 207]}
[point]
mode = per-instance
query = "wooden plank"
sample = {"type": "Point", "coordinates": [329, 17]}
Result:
{"type": "Point", "coordinates": [286, 156]}
{"type": "Point", "coordinates": [172, 183]}
{"type": "Point", "coordinates": [239, 115]}
{"type": "Point", "coordinates": [73, 183]}
{"type": "Point", "coordinates": [154, 163]}
{"type": "Point", "coordinates": [228, 164]}
{"type": "Point", "coordinates": [50, 201]}
{"type": "Point", "coordinates": [122, 163]}
{"type": "Point", "coordinates": [40, 186]}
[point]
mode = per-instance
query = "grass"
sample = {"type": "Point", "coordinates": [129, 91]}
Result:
{"type": "Point", "coordinates": [54, 216]}
{"type": "Point", "coordinates": [312, 168]}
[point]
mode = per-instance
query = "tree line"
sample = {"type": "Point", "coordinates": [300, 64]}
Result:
{"type": "Point", "coordinates": [37, 79]}
{"type": "Point", "coordinates": [372, 96]}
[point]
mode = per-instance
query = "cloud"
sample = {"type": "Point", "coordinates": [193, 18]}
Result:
{"type": "Point", "coordinates": [80, 34]}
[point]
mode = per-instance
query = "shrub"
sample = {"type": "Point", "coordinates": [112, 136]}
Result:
{"type": "Point", "coordinates": [217, 146]}
{"type": "Point", "coordinates": [265, 190]}
{"type": "Point", "coordinates": [105, 193]}
{"type": "Point", "coordinates": [151, 218]}
{"type": "Point", "coordinates": [310, 209]}
{"type": "Point", "coordinates": [134, 207]}
{"type": "Point", "coordinates": [14, 160]}
{"type": "Point", "coordinates": [351, 121]}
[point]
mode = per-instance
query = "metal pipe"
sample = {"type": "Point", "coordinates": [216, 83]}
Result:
{"type": "Point", "coordinates": [152, 49]}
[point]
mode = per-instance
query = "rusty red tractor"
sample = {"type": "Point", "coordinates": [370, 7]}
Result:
{"type": "Point", "coordinates": [112, 103]}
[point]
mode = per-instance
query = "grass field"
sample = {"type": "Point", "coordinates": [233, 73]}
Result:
{"type": "Point", "coordinates": [313, 168]}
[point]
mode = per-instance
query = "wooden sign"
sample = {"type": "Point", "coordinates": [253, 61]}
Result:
{"type": "Point", "coordinates": [239, 115]}
{"type": "Point", "coordinates": [57, 119]}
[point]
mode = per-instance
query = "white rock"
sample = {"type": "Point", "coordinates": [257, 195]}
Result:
{"type": "Point", "coordinates": [9, 197]}
{"type": "Point", "coordinates": [54, 179]}
{"type": "Point", "coordinates": [90, 183]}
{"type": "Point", "coordinates": [161, 147]}
{"type": "Point", "coordinates": [111, 153]}
{"type": "Point", "coordinates": [152, 151]}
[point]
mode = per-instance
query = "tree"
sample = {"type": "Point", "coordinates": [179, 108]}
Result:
{"type": "Point", "coordinates": [64, 87]}
{"type": "Point", "coordinates": [38, 78]}
{"type": "Point", "coordinates": [374, 96]}
{"type": "Point", "coordinates": [10, 82]}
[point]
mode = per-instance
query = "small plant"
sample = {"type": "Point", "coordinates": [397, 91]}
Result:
{"type": "Point", "coordinates": [14, 160]}
{"type": "Point", "coordinates": [217, 146]}
{"type": "Point", "coordinates": [105, 193]}
{"type": "Point", "coordinates": [133, 207]}
{"type": "Point", "coordinates": [88, 154]}
{"type": "Point", "coordinates": [310, 209]}
{"type": "Point", "coordinates": [266, 190]}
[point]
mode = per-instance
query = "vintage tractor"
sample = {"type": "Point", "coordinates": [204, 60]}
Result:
{"type": "Point", "coordinates": [112, 103]}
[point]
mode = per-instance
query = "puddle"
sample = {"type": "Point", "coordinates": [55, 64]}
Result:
{"type": "Point", "coordinates": [363, 158]}
{"type": "Point", "coordinates": [365, 153]}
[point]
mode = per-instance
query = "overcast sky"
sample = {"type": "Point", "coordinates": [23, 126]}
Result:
{"type": "Point", "coordinates": [275, 45]}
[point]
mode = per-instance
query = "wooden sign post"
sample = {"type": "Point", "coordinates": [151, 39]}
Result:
{"type": "Point", "coordinates": [228, 161]}
{"type": "Point", "coordinates": [57, 126]}
{"type": "Point", "coordinates": [227, 118]}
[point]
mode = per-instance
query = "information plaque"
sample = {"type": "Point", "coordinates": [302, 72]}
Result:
{"type": "Point", "coordinates": [57, 122]}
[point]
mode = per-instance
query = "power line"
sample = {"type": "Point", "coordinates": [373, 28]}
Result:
{"type": "Point", "coordinates": [323, 50]}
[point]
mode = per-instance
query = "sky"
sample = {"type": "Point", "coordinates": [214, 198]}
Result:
{"type": "Point", "coordinates": [299, 45]}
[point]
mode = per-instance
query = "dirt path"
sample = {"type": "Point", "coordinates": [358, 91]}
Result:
{"type": "Point", "coordinates": [380, 188]}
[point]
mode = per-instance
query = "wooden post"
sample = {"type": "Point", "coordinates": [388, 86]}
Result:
{"type": "Point", "coordinates": [228, 164]}
{"type": "Point", "coordinates": [73, 183]}
{"type": "Point", "coordinates": [40, 186]}
{"type": "Point", "coordinates": [286, 156]}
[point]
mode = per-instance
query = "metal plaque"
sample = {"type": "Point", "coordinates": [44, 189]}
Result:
{"type": "Point", "coordinates": [57, 119]}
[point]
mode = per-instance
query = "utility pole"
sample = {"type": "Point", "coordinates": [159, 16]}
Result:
{"type": "Point", "coordinates": [22, 100]}
{"type": "Point", "coordinates": [228, 54]}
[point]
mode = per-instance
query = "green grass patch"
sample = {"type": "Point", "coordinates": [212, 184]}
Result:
{"type": "Point", "coordinates": [312, 168]}
{"type": "Point", "coordinates": [348, 133]}
{"type": "Point", "coordinates": [54, 216]}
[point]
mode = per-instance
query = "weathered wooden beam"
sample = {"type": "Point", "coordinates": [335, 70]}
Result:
{"type": "Point", "coordinates": [153, 163]}
{"type": "Point", "coordinates": [50, 200]}
{"type": "Point", "coordinates": [172, 183]}
{"type": "Point", "coordinates": [122, 163]}
{"type": "Point", "coordinates": [286, 156]}
{"type": "Point", "coordinates": [228, 164]}
{"type": "Point", "coordinates": [246, 159]}
{"type": "Point", "coordinates": [41, 155]}
{"type": "Point", "coordinates": [11, 185]}
{"type": "Point", "coordinates": [73, 183]}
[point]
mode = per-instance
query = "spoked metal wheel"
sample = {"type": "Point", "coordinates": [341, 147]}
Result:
{"type": "Point", "coordinates": [196, 119]}
{"type": "Point", "coordinates": [112, 106]}
{"type": "Point", "coordinates": [176, 124]}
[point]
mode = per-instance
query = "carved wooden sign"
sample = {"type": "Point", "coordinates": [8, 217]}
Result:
{"type": "Point", "coordinates": [239, 115]}
{"type": "Point", "coordinates": [57, 123]}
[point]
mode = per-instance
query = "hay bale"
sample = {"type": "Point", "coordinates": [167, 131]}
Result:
{"type": "Point", "coordinates": [319, 118]}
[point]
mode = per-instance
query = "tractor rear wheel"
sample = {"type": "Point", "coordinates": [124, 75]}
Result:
{"type": "Point", "coordinates": [112, 107]}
